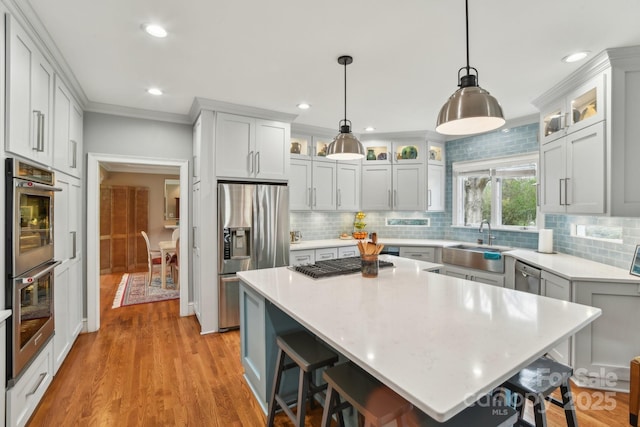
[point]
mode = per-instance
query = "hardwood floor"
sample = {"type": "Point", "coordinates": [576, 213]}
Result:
{"type": "Point", "coordinates": [149, 367]}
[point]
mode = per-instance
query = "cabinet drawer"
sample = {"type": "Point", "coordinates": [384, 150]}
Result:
{"type": "Point", "coordinates": [326, 253]}
{"type": "Point", "coordinates": [302, 257]}
{"type": "Point", "coordinates": [25, 395]}
{"type": "Point", "coordinates": [348, 251]}
{"type": "Point", "coordinates": [422, 254]}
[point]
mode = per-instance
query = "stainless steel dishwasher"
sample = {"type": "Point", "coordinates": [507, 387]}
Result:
{"type": "Point", "coordinates": [527, 278]}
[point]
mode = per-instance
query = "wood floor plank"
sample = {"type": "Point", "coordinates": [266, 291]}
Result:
{"type": "Point", "coordinates": [147, 366]}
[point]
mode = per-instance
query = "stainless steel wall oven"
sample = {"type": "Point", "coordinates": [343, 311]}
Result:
{"type": "Point", "coordinates": [29, 261]}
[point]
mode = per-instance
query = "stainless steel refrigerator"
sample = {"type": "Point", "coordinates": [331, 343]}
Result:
{"type": "Point", "coordinates": [253, 233]}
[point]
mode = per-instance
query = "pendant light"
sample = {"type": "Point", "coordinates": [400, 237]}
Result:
{"type": "Point", "coordinates": [470, 109]}
{"type": "Point", "coordinates": [345, 146]}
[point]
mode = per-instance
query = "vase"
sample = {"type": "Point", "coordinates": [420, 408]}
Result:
{"type": "Point", "coordinates": [371, 155]}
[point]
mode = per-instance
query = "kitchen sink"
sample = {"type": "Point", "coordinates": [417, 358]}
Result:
{"type": "Point", "coordinates": [487, 258]}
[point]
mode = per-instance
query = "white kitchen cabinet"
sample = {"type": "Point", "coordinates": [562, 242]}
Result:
{"type": "Point", "coordinates": [376, 187]}
{"type": "Point", "coordinates": [604, 348]}
{"type": "Point", "coordinates": [573, 172]}
{"type": "Point", "coordinates": [429, 254]}
{"type": "Point", "coordinates": [323, 191]}
{"type": "Point", "coordinates": [606, 91]}
{"type": "Point", "coordinates": [396, 178]}
{"type": "Point", "coordinates": [195, 249]}
{"type": "Point", "coordinates": [325, 254]}
{"type": "Point", "coordinates": [348, 186]}
{"type": "Point", "coordinates": [197, 146]}
{"type": "Point", "coordinates": [29, 93]}
{"type": "Point", "coordinates": [409, 183]}
{"type": "Point", "coordinates": [300, 185]}
{"type": "Point", "coordinates": [24, 396]}
{"type": "Point", "coordinates": [435, 187]}
{"type": "Point", "coordinates": [495, 279]}
{"type": "Point", "coordinates": [67, 131]}
{"type": "Point", "coordinates": [68, 205]}
{"type": "Point", "coordinates": [302, 257]}
{"type": "Point", "coordinates": [348, 251]}
{"type": "Point", "coordinates": [251, 148]}
{"type": "Point", "coordinates": [559, 288]}
{"type": "Point", "coordinates": [62, 339]}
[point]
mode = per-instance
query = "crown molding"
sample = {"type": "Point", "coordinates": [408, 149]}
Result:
{"type": "Point", "coordinates": [27, 17]}
{"type": "Point", "coordinates": [304, 129]}
{"type": "Point", "coordinates": [138, 113]}
{"type": "Point", "coordinates": [243, 110]}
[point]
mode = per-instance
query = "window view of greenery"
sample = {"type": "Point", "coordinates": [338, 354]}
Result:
{"type": "Point", "coordinates": [505, 195]}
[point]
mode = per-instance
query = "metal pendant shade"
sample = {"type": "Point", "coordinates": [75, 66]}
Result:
{"type": "Point", "coordinates": [471, 109]}
{"type": "Point", "coordinates": [345, 145]}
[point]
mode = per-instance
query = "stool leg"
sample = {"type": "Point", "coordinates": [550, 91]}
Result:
{"type": "Point", "coordinates": [303, 392]}
{"type": "Point", "coordinates": [328, 407]}
{"type": "Point", "coordinates": [312, 401]}
{"type": "Point", "coordinates": [539, 411]}
{"type": "Point", "coordinates": [276, 387]}
{"type": "Point", "coordinates": [567, 400]}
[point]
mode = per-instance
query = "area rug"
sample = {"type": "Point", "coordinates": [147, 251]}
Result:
{"type": "Point", "coordinates": [133, 290]}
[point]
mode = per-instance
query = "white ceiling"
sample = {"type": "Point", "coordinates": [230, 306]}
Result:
{"type": "Point", "coordinates": [275, 54]}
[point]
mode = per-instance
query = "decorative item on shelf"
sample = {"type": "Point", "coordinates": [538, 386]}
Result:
{"type": "Point", "coordinates": [589, 111]}
{"type": "Point", "coordinates": [345, 146]}
{"type": "Point", "coordinates": [322, 152]}
{"type": "Point", "coordinates": [409, 152]}
{"type": "Point", "coordinates": [470, 109]}
{"type": "Point", "coordinates": [371, 155]}
{"type": "Point", "coordinates": [295, 148]}
{"type": "Point", "coordinates": [359, 226]}
{"type": "Point", "coordinates": [382, 156]}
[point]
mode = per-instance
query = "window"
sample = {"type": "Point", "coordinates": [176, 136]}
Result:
{"type": "Point", "coordinates": [501, 190]}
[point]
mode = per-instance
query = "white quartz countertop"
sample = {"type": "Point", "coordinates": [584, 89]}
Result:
{"type": "Point", "coordinates": [332, 243]}
{"type": "Point", "coordinates": [439, 341]}
{"type": "Point", "coordinates": [4, 315]}
{"type": "Point", "coordinates": [574, 268]}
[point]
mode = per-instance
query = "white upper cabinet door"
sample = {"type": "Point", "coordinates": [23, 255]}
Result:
{"type": "Point", "coordinates": [409, 187]}
{"type": "Point", "coordinates": [29, 97]}
{"type": "Point", "coordinates": [197, 144]}
{"type": "Point", "coordinates": [235, 152]}
{"type": "Point", "coordinates": [324, 186]}
{"type": "Point", "coordinates": [348, 192]}
{"type": "Point", "coordinates": [76, 141]}
{"type": "Point", "coordinates": [435, 187]}
{"type": "Point", "coordinates": [586, 170]}
{"type": "Point", "coordinates": [552, 174]}
{"type": "Point", "coordinates": [300, 185]}
{"type": "Point", "coordinates": [67, 131]}
{"type": "Point", "coordinates": [376, 187]}
{"type": "Point", "coordinates": [272, 150]}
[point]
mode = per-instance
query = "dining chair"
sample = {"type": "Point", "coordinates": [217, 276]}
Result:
{"type": "Point", "coordinates": [174, 262]}
{"type": "Point", "coordinates": [153, 257]}
{"type": "Point", "coordinates": [176, 234]}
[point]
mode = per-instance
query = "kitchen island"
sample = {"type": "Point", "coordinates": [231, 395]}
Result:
{"type": "Point", "coordinates": [438, 341]}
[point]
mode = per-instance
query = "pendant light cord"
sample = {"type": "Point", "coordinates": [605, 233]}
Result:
{"type": "Point", "coordinates": [466, 13]}
{"type": "Point", "coordinates": [345, 91]}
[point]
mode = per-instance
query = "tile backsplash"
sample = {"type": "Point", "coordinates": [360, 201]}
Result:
{"type": "Point", "coordinates": [522, 139]}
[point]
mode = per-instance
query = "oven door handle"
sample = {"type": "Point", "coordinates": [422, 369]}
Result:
{"type": "Point", "coordinates": [44, 270]}
{"type": "Point", "coordinates": [36, 186]}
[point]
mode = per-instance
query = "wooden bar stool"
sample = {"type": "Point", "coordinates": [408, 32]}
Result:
{"type": "Point", "coordinates": [374, 401]}
{"type": "Point", "coordinates": [308, 354]}
{"type": "Point", "coordinates": [536, 382]}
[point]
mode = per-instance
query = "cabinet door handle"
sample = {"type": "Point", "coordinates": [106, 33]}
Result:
{"type": "Point", "coordinates": [250, 160]}
{"type": "Point", "coordinates": [74, 154]}
{"type": "Point", "coordinates": [339, 198]}
{"type": "Point", "coordinates": [395, 198]}
{"type": "Point", "coordinates": [194, 233]}
{"type": "Point", "coordinates": [41, 132]}
{"type": "Point", "coordinates": [73, 244]}
{"type": "Point", "coordinates": [537, 184]}
{"type": "Point", "coordinates": [257, 157]}
{"type": "Point", "coordinates": [566, 191]}
{"type": "Point", "coordinates": [389, 197]}
{"type": "Point", "coordinates": [308, 196]}
{"type": "Point", "coordinates": [315, 199]}
{"type": "Point", "coordinates": [429, 197]}
{"type": "Point", "coordinates": [560, 192]}
{"type": "Point", "coordinates": [36, 130]}
{"type": "Point", "coordinates": [41, 378]}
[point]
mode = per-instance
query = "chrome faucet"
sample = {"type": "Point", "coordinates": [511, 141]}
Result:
{"type": "Point", "coordinates": [491, 237]}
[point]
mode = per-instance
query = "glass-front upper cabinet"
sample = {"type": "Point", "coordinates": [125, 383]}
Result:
{"type": "Point", "coordinates": [581, 108]}
{"type": "Point", "coordinates": [409, 151]}
{"type": "Point", "coordinates": [436, 153]}
{"type": "Point", "coordinates": [300, 146]}
{"type": "Point", "coordinates": [376, 151]}
{"type": "Point", "coordinates": [320, 147]}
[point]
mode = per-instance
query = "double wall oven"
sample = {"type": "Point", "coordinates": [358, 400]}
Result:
{"type": "Point", "coordinates": [29, 261]}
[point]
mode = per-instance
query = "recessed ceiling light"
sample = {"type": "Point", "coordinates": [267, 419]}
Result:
{"type": "Point", "coordinates": [155, 30]}
{"type": "Point", "coordinates": [369, 129]}
{"type": "Point", "coordinates": [576, 56]}
{"type": "Point", "coordinates": [303, 106]}
{"type": "Point", "coordinates": [154, 91]}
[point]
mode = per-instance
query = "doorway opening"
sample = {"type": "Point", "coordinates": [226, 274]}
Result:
{"type": "Point", "coordinates": [123, 245]}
